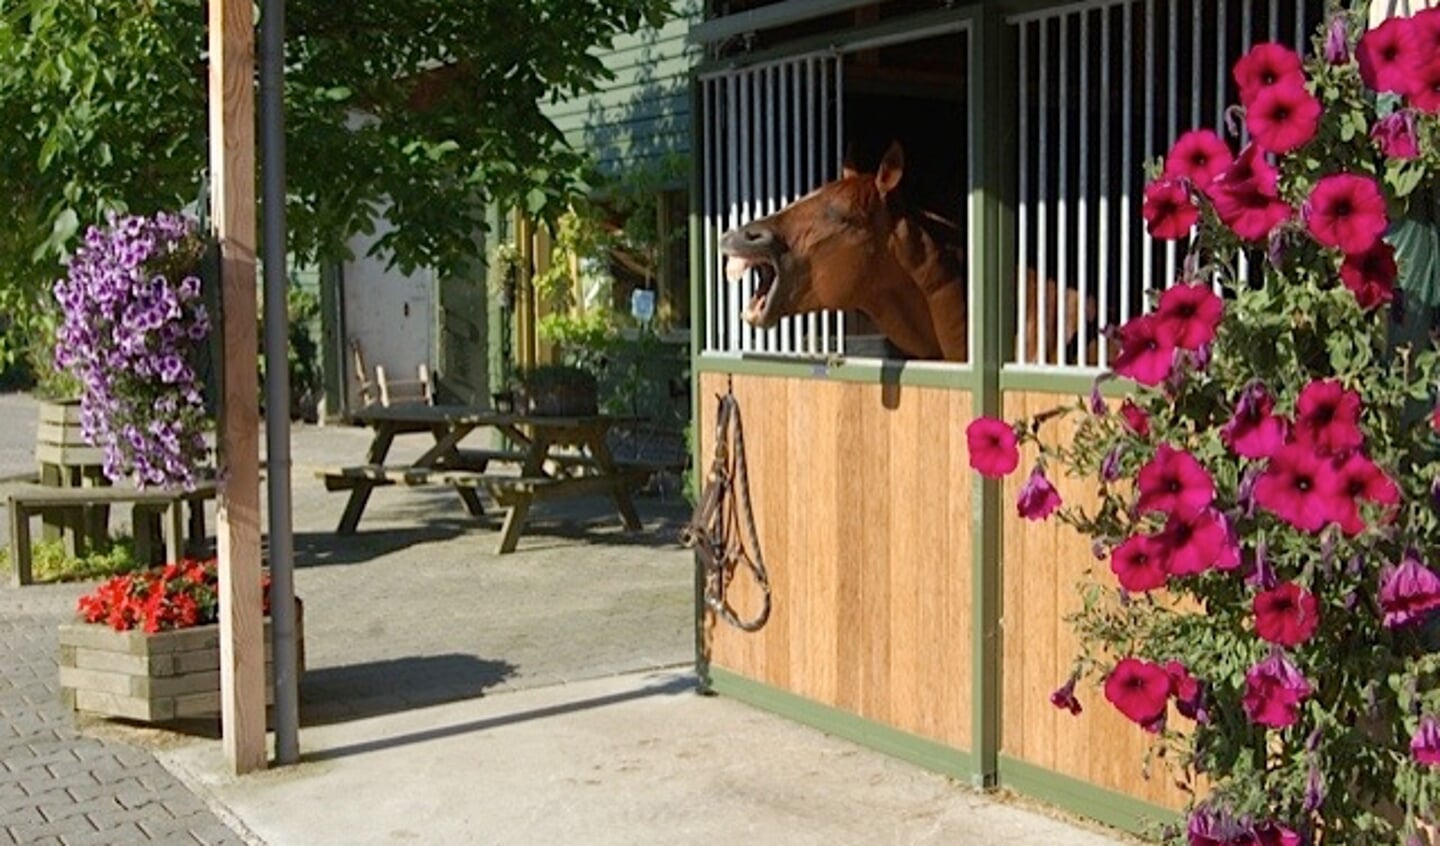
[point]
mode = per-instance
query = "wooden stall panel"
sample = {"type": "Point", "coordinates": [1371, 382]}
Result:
{"type": "Point", "coordinates": [1043, 566]}
{"type": "Point", "coordinates": [862, 502]}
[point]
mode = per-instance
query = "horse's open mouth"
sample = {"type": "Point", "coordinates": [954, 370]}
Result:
{"type": "Point", "coordinates": [762, 303]}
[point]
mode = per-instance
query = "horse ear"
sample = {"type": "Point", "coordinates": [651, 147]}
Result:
{"type": "Point", "coordinates": [892, 169]}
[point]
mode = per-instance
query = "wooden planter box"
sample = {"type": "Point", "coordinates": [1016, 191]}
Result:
{"type": "Point", "coordinates": [151, 677]}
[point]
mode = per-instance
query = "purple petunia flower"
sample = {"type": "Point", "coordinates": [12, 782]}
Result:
{"type": "Point", "coordinates": [1409, 592]}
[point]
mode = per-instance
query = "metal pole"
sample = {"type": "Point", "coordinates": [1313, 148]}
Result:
{"type": "Point", "coordinates": [277, 382]}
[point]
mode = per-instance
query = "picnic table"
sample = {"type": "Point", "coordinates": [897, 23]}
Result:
{"type": "Point", "coordinates": [556, 457]}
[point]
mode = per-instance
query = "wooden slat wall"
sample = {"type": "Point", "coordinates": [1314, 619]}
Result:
{"type": "Point", "coordinates": [862, 499]}
{"type": "Point", "coordinates": [1043, 563]}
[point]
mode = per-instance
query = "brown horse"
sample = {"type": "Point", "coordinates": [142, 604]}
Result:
{"type": "Point", "coordinates": [852, 245]}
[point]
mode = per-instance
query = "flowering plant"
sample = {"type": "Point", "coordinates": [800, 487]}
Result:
{"type": "Point", "coordinates": [132, 313]}
{"type": "Point", "coordinates": [176, 596]}
{"type": "Point", "coordinates": [1269, 491]}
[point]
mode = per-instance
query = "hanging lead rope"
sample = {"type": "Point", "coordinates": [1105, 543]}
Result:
{"type": "Point", "coordinates": [714, 531]}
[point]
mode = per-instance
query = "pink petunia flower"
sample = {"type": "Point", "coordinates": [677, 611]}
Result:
{"type": "Point", "coordinates": [1064, 697]}
{"type": "Point", "coordinates": [1137, 419]}
{"type": "Point", "coordinates": [1346, 210]}
{"type": "Point", "coordinates": [1169, 214]}
{"type": "Point", "coordinates": [1190, 314]}
{"type": "Point", "coordinates": [1387, 55]}
{"type": "Point", "coordinates": [1274, 691]}
{"type": "Point", "coordinates": [1327, 417]}
{"type": "Point", "coordinates": [1337, 41]}
{"type": "Point", "coordinates": [1298, 486]}
{"type": "Point", "coordinates": [1370, 275]}
{"type": "Point", "coordinates": [1357, 480]}
{"type": "Point", "coordinates": [1199, 156]}
{"type": "Point", "coordinates": [1409, 592]}
{"type": "Point", "coordinates": [1194, 540]}
{"type": "Point", "coordinates": [1038, 498]}
{"type": "Point", "coordinates": [992, 444]}
{"type": "Point", "coordinates": [1395, 135]}
{"type": "Point", "coordinates": [1254, 431]}
{"type": "Point", "coordinates": [1425, 744]}
{"type": "Point", "coordinates": [1140, 690]}
{"type": "Point", "coordinates": [1424, 93]}
{"type": "Point", "coordinates": [1286, 615]}
{"type": "Point", "coordinates": [1264, 66]}
{"type": "Point", "coordinates": [1137, 564]}
{"type": "Point", "coordinates": [1284, 117]}
{"type": "Point", "coordinates": [1146, 353]}
{"type": "Point", "coordinates": [1173, 479]}
{"type": "Point", "coordinates": [1189, 693]}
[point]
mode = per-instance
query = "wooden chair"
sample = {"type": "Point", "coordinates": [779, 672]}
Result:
{"type": "Point", "coordinates": [387, 391]}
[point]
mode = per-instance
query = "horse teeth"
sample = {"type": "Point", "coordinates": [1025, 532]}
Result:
{"type": "Point", "coordinates": [735, 268]}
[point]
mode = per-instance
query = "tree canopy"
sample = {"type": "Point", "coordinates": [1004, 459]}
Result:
{"type": "Point", "coordinates": [429, 109]}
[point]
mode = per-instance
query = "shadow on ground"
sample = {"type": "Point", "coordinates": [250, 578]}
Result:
{"type": "Point", "coordinates": [339, 694]}
{"type": "Point", "coordinates": [322, 549]}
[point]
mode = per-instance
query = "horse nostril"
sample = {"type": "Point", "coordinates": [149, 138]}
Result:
{"type": "Point", "coordinates": [757, 236]}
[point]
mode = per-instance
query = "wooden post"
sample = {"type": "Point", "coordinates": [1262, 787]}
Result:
{"type": "Point", "coordinates": [232, 168]}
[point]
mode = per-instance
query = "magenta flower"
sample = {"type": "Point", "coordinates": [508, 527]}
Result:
{"type": "Point", "coordinates": [1408, 593]}
{"type": "Point", "coordinates": [1038, 498]}
{"type": "Point", "coordinates": [1370, 275]}
{"type": "Point", "coordinates": [1246, 197]}
{"type": "Point", "coordinates": [1140, 690]}
{"type": "Point", "coordinates": [1254, 431]}
{"type": "Point", "coordinates": [1169, 214]}
{"type": "Point", "coordinates": [1425, 744]}
{"type": "Point", "coordinates": [1283, 117]}
{"type": "Point", "coordinates": [1199, 156]}
{"type": "Point", "coordinates": [1388, 55]}
{"type": "Point", "coordinates": [1337, 41]}
{"type": "Point", "coordinates": [1137, 419]}
{"type": "Point", "coordinates": [1272, 834]}
{"type": "Point", "coordinates": [1194, 540]}
{"type": "Point", "coordinates": [1266, 65]}
{"type": "Point", "coordinates": [1173, 479]}
{"type": "Point", "coordinates": [1189, 314]}
{"type": "Point", "coordinates": [1327, 418]}
{"type": "Point", "coordinates": [1359, 480]}
{"type": "Point", "coordinates": [1346, 210]}
{"type": "Point", "coordinates": [1274, 691]}
{"type": "Point", "coordinates": [1424, 90]}
{"type": "Point", "coordinates": [1299, 487]}
{"type": "Point", "coordinates": [1064, 697]}
{"type": "Point", "coordinates": [1146, 354]}
{"type": "Point", "coordinates": [1286, 615]}
{"type": "Point", "coordinates": [1138, 564]}
{"type": "Point", "coordinates": [1395, 135]}
{"type": "Point", "coordinates": [1189, 693]}
{"type": "Point", "coordinates": [992, 445]}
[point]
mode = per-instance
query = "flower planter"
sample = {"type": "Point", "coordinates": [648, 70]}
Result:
{"type": "Point", "coordinates": [151, 677]}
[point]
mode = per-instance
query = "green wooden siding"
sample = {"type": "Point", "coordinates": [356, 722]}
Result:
{"type": "Point", "coordinates": [640, 118]}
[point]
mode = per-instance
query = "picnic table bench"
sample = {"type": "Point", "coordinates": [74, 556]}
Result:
{"type": "Point", "coordinates": [158, 517]}
{"type": "Point", "coordinates": [555, 457]}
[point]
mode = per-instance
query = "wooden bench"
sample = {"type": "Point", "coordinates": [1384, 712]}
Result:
{"type": "Point", "coordinates": [156, 514]}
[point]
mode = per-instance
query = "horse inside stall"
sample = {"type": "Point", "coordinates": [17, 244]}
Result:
{"type": "Point", "coordinates": [852, 244]}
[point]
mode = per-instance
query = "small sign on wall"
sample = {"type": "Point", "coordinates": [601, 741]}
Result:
{"type": "Point", "coordinates": [642, 304]}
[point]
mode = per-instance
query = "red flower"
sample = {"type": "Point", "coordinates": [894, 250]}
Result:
{"type": "Point", "coordinates": [1194, 540]}
{"type": "Point", "coordinates": [1253, 431]}
{"type": "Point", "coordinates": [1038, 498]}
{"type": "Point", "coordinates": [1286, 614]}
{"type": "Point", "coordinates": [1146, 353]}
{"type": "Point", "coordinates": [1249, 170]}
{"type": "Point", "coordinates": [1249, 212]}
{"type": "Point", "coordinates": [1346, 210]}
{"type": "Point", "coordinates": [1189, 693]}
{"type": "Point", "coordinates": [1167, 210]}
{"type": "Point", "coordinates": [1424, 90]}
{"type": "Point", "coordinates": [992, 447]}
{"type": "Point", "coordinates": [1064, 697]}
{"type": "Point", "coordinates": [1274, 689]}
{"type": "Point", "coordinates": [1283, 117]}
{"type": "Point", "coordinates": [1408, 593]}
{"type": "Point", "coordinates": [1298, 486]}
{"type": "Point", "coordinates": [1358, 479]}
{"type": "Point", "coordinates": [1327, 418]}
{"type": "Point", "coordinates": [1189, 315]}
{"type": "Point", "coordinates": [1387, 55]}
{"type": "Point", "coordinates": [1172, 480]}
{"type": "Point", "coordinates": [1140, 690]}
{"type": "Point", "coordinates": [1273, 834]}
{"type": "Point", "coordinates": [1137, 564]}
{"type": "Point", "coordinates": [1137, 419]}
{"type": "Point", "coordinates": [1370, 275]}
{"type": "Point", "coordinates": [1394, 134]}
{"type": "Point", "coordinates": [1266, 65]}
{"type": "Point", "coordinates": [1199, 156]}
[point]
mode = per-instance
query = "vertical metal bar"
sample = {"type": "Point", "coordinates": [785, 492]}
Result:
{"type": "Point", "coordinates": [1222, 44]}
{"type": "Point", "coordinates": [277, 386]}
{"type": "Point", "coordinates": [783, 196]}
{"type": "Point", "coordinates": [1147, 261]}
{"type": "Point", "coordinates": [1274, 20]}
{"type": "Point", "coordinates": [1021, 354]}
{"type": "Point", "coordinates": [1172, 106]}
{"type": "Point", "coordinates": [1062, 217]}
{"type": "Point", "coordinates": [765, 83]}
{"type": "Point", "coordinates": [1083, 192]}
{"type": "Point", "coordinates": [1197, 50]}
{"type": "Point", "coordinates": [812, 337]}
{"type": "Point", "coordinates": [750, 188]}
{"type": "Point", "coordinates": [735, 114]}
{"type": "Point", "coordinates": [1042, 189]}
{"type": "Point", "coordinates": [1103, 278]}
{"type": "Point", "coordinates": [708, 205]}
{"type": "Point", "coordinates": [839, 158]}
{"type": "Point", "coordinates": [823, 119]}
{"type": "Point", "coordinates": [1127, 123]}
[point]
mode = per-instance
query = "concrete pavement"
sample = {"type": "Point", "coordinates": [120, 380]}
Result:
{"type": "Point", "coordinates": [454, 697]}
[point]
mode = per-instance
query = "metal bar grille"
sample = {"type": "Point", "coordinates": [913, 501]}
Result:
{"type": "Point", "coordinates": [772, 133]}
{"type": "Point", "coordinates": [1104, 87]}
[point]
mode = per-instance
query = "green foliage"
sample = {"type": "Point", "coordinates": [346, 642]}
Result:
{"type": "Point", "coordinates": [50, 562]}
{"type": "Point", "coordinates": [633, 366]}
{"type": "Point", "coordinates": [428, 110]}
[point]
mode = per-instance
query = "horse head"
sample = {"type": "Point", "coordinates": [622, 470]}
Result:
{"type": "Point", "coordinates": [845, 245]}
